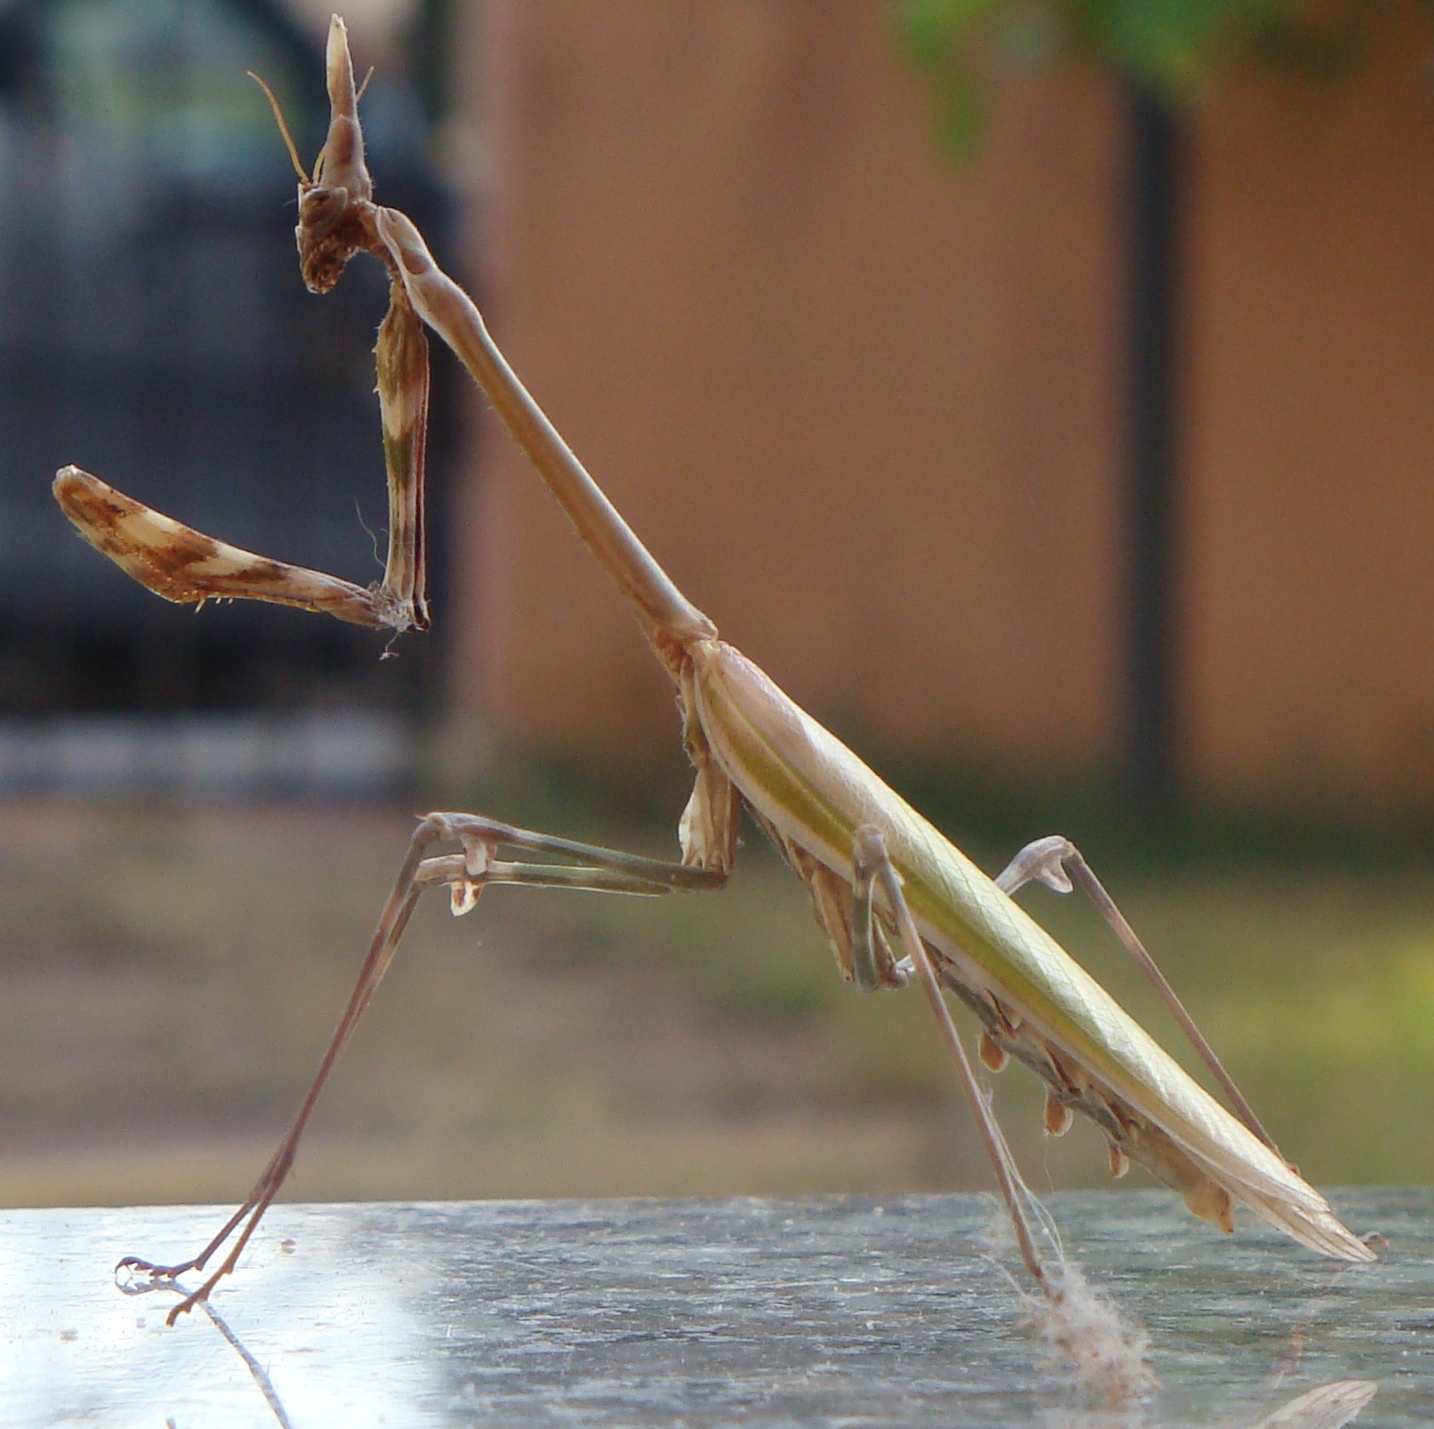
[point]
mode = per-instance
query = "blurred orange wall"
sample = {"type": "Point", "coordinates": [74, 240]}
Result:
{"type": "Point", "coordinates": [1309, 591]}
{"type": "Point", "coordinates": [865, 405]}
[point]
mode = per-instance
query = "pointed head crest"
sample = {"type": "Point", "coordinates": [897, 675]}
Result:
{"type": "Point", "coordinates": [330, 228]}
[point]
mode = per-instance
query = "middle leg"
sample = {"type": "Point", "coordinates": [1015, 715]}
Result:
{"type": "Point", "coordinates": [872, 869]}
{"type": "Point", "coordinates": [585, 867]}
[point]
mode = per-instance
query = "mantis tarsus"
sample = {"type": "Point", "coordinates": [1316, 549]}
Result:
{"type": "Point", "coordinates": [895, 899]}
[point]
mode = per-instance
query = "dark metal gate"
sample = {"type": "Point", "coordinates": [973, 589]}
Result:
{"type": "Point", "coordinates": [154, 330]}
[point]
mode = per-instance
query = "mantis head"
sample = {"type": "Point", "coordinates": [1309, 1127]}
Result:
{"type": "Point", "coordinates": [333, 200]}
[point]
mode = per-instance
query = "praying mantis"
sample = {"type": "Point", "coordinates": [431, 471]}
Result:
{"type": "Point", "coordinates": [896, 900]}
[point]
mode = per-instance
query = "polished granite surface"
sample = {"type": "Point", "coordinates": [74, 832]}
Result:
{"type": "Point", "coordinates": [703, 1312]}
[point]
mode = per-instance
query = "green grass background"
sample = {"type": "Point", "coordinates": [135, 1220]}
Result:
{"type": "Point", "coordinates": [172, 975]}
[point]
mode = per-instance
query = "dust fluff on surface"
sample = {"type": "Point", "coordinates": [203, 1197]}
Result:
{"type": "Point", "coordinates": [1080, 1328]}
{"type": "Point", "coordinates": [1086, 1330]}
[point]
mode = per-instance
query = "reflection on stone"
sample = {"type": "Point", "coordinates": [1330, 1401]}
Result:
{"type": "Point", "coordinates": [1327, 1406]}
{"type": "Point", "coordinates": [141, 1286]}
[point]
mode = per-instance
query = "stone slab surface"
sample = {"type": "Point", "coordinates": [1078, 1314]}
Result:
{"type": "Point", "coordinates": [703, 1312]}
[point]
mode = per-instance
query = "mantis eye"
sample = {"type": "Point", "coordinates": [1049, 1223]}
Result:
{"type": "Point", "coordinates": [321, 208]}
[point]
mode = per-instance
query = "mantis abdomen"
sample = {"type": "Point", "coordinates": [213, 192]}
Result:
{"type": "Point", "coordinates": [1034, 1000]}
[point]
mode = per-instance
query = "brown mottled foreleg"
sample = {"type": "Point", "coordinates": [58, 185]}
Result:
{"type": "Point", "coordinates": [182, 564]}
